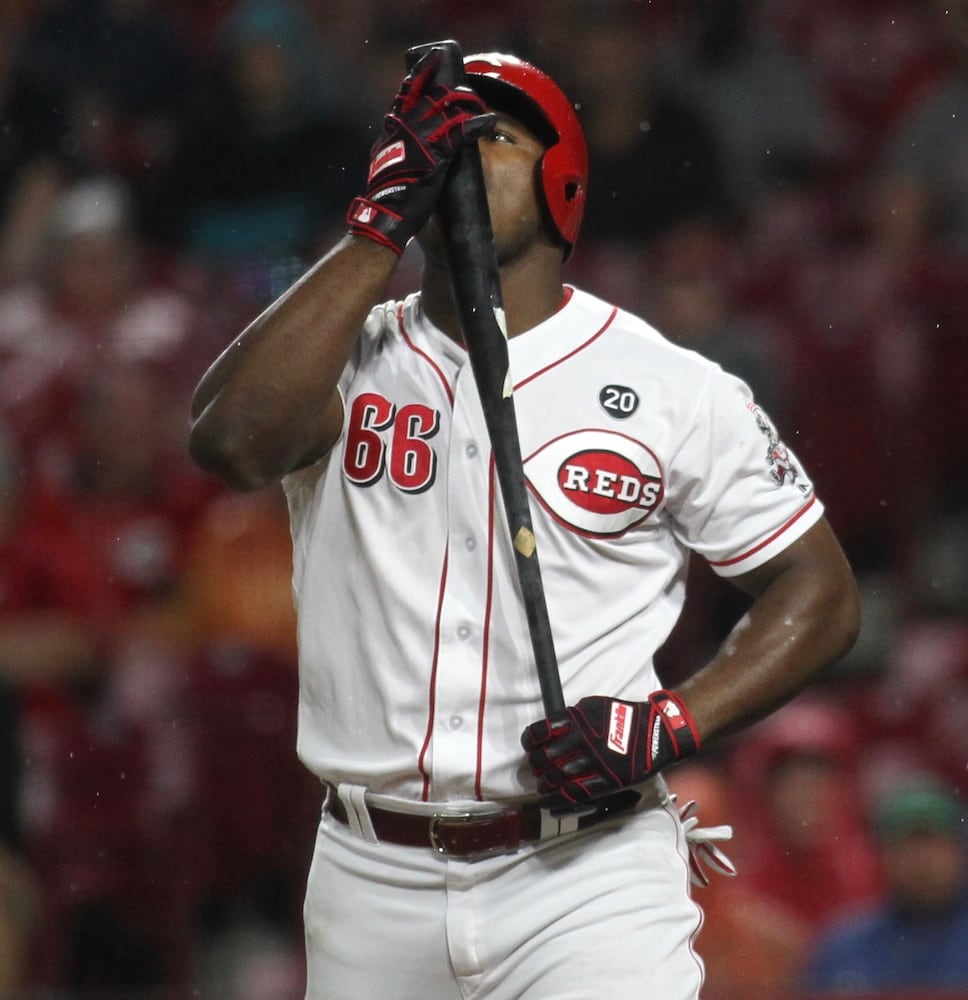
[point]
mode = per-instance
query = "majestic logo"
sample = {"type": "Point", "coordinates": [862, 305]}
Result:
{"type": "Point", "coordinates": [601, 483]}
{"type": "Point", "coordinates": [394, 153]}
{"type": "Point", "coordinates": [620, 727]}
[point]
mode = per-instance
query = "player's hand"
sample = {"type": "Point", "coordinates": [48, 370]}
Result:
{"type": "Point", "coordinates": [426, 127]}
{"type": "Point", "coordinates": [602, 745]}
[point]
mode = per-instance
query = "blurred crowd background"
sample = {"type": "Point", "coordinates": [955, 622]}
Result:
{"type": "Point", "coordinates": [781, 184]}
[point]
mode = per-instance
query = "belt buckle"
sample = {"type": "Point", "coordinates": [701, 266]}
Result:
{"type": "Point", "coordinates": [435, 842]}
{"type": "Point", "coordinates": [460, 818]}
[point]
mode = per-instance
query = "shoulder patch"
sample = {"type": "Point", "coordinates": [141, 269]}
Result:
{"type": "Point", "coordinates": [782, 465]}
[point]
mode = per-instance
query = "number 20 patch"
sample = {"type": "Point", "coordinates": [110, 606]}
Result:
{"type": "Point", "coordinates": [619, 401]}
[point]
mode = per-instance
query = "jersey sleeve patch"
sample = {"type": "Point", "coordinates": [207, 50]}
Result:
{"type": "Point", "coordinates": [781, 464]}
{"type": "Point", "coordinates": [737, 495]}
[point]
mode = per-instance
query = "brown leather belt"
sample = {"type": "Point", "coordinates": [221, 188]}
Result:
{"type": "Point", "coordinates": [469, 835]}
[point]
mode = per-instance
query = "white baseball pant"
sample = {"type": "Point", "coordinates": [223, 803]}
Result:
{"type": "Point", "coordinates": [573, 918]}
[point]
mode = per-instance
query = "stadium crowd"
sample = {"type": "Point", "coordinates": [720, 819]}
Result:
{"type": "Point", "coordinates": [781, 184]}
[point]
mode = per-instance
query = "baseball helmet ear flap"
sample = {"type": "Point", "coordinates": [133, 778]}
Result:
{"type": "Point", "coordinates": [524, 91]}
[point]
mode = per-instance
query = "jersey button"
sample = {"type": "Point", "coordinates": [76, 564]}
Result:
{"type": "Point", "coordinates": [470, 544]}
{"type": "Point", "coordinates": [464, 632]}
{"type": "Point", "coordinates": [455, 722]}
{"type": "Point", "coordinates": [471, 450]}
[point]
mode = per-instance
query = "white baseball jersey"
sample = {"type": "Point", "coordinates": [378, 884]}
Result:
{"type": "Point", "coordinates": [416, 669]}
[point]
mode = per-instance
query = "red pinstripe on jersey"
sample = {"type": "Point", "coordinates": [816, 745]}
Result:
{"type": "Point", "coordinates": [432, 687]}
{"type": "Point", "coordinates": [488, 606]}
{"type": "Point", "coordinates": [570, 354]}
{"type": "Point", "coordinates": [423, 354]}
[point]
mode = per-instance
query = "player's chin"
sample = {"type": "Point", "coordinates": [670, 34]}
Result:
{"type": "Point", "coordinates": [514, 246]}
{"type": "Point", "coordinates": [511, 243]}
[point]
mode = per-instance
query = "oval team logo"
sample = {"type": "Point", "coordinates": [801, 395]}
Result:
{"type": "Point", "coordinates": [601, 483]}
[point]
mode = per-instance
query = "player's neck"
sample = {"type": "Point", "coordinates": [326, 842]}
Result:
{"type": "Point", "coordinates": [531, 291]}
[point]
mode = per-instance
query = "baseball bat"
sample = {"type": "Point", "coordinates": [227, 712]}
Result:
{"type": "Point", "coordinates": [477, 293]}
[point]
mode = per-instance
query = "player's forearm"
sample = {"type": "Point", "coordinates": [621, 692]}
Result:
{"type": "Point", "coordinates": [268, 404]}
{"type": "Point", "coordinates": [805, 618]}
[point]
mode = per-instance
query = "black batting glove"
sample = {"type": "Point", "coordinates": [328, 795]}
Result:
{"type": "Point", "coordinates": [602, 745]}
{"type": "Point", "coordinates": [426, 127]}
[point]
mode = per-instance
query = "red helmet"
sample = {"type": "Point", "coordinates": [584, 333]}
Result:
{"type": "Point", "coordinates": [531, 95]}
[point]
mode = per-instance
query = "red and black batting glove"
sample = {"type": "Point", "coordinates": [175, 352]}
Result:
{"type": "Point", "coordinates": [426, 127]}
{"type": "Point", "coordinates": [602, 745]}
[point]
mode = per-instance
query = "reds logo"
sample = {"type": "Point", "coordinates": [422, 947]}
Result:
{"type": "Point", "coordinates": [601, 483]}
{"type": "Point", "coordinates": [607, 483]}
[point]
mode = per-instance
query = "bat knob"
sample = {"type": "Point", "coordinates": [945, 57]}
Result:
{"type": "Point", "coordinates": [451, 72]}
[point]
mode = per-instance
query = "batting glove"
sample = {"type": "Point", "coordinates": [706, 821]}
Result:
{"type": "Point", "coordinates": [427, 125]}
{"type": "Point", "coordinates": [602, 745]}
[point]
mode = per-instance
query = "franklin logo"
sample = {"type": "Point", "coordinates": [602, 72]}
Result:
{"type": "Point", "coordinates": [620, 727]}
{"type": "Point", "coordinates": [394, 153]}
{"type": "Point", "coordinates": [599, 483]}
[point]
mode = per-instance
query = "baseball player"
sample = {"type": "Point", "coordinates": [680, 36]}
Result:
{"type": "Point", "coordinates": [469, 846]}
